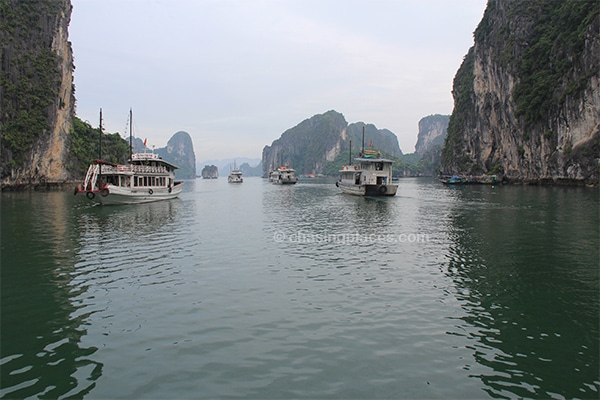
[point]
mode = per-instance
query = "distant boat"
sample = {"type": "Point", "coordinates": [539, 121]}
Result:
{"type": "Point", "coordinates": [283, 175]}
{"type": "Point", "coordinates": [469, 179]}
{"type": "Point", "coordinates": [235, 176]}
{"type": "Point", "coordinates": [147, 178]}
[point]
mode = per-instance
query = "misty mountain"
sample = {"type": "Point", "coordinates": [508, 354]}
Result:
{"type": "Point", "coordinates": [226, 165]}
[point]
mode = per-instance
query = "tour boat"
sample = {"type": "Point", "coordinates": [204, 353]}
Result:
{"type": "Point", "coordinates": [147, 178]}
{"type": "Point", "coordinates": [235, 175]}
{"type": "Point", "coordinates": [371, 177]}
{"type": "Point", "coordinates": [283, 175]}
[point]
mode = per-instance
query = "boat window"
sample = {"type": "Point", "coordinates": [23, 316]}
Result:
{"type": "Point", "coordinates": [379, 166]}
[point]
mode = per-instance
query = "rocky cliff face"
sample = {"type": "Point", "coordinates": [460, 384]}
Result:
{"type": "Point", "coordinates": [527, 96]}
{"type": "Point", "coordinates": [315, 142]}
{"type": "Point", "coordinates": [37, 92]}
{"type": "Point", "coordinates": [180, 151]}
{"type": "Point", "coordinates": [432, 131]}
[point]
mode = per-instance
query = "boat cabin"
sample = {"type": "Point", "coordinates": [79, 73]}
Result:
{"type": "Point", "coordinates": [369, 171]}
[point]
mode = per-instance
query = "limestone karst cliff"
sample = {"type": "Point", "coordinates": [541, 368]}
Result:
{"type": "Point", "coordinates": [527, 96]}
{"type": "Point", "coordinates": [432, 131]}
{"type": "Point", "coordinates": [36, 96]}
{"type": "Point", "coordinates": [180, 151]}
{"type": "Point", "coordinates": [322, 139]}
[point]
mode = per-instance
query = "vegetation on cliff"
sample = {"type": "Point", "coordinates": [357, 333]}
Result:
{"type": "Point", "coordinates": [549, 50]}
{"type": "Point", "coordinates": [318, 145]}
{"type": "Point", "coordinates": [464, 102]}
{"type": "Point", "coordinates": [29, 78]}
{"type": "Point", "coordinates": [526, 97]}
{"type": "Point", "coordinates": [85, 143]}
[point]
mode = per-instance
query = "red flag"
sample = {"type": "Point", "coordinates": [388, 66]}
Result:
{"type": "Point", "coordinates": [370, 143]}
{"type": "Point", "coordinates": [145, 140]}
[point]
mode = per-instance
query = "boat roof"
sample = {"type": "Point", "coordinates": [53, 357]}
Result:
{"type": "Point", "coordinates": [151, 157]}
{"type": "Point", "coordinates": [363, 159]}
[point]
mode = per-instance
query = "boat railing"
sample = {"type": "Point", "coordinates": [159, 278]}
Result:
{"type": "Point", "coordinates": [90, 177]}
{"type": "Point", "coordinates": [142, 169]}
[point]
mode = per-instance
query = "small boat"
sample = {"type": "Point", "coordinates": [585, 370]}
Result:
{"type": "Point", "coordinates": [147, 178]}
{"type": "Point", "coordinates": [371, 177]}
{"type": "Point", "coordinates": [469, 179]}
{"type": "Point", "coordinates": [452, 179]}
{"type": "Point", "coordinates": [283, 175]}
{"type": "Point", "coordinates": [235, 175]}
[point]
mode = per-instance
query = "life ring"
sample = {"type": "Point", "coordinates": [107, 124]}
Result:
{"type": "Point", "coordinates": [383, 189]}
{"type": "Point", "coordinates": [90, 195]}
{"type": "Point", "coordinates": [104, 192]}
{"type": "Point", "coordinates": [150, 191]}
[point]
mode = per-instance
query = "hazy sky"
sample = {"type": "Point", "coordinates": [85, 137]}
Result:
{"type": "Point", "coordinates": [235, 74]}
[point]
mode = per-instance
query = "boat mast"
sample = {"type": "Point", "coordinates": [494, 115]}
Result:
{"type": "Point", "coordinates": [130, 135]}
{"type": "Point", "coordinates": [100, 145]}
{"type": "Point", "coordinates": [350, 153]}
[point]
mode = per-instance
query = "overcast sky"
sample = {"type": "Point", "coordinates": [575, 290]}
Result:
{"type": "Point", "coordinates": [235, 74]}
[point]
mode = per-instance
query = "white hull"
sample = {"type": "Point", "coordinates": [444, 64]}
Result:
{"type": "Point", "coordinates": [285, 182]}
{"type": "Point", "coordinates": [368, 190]}
{"type": "Point", "coordinates": [119, 195]}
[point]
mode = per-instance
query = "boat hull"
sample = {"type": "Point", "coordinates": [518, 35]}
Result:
{"type": "Point", "coordinates": [116, 195]}
{"type": "Point", "coordinates": [368, 190]}
{"type": "Point", "coordinates": [285, 181]}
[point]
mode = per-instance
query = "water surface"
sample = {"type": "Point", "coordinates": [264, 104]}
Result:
{"type": "Point", "coordinates": [263, 291]}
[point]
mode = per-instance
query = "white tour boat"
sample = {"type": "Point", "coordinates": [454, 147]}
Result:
{"type": "Point", "coordinates": [147, 178]}
{"type": "Point", "coordinates": [283, 175]}
{"type": "Point", "coordinates": [235, 175]}
{"type": "Point", "coordinates": [371, 177]}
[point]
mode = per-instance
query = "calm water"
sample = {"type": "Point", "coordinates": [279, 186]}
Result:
{"type": "Point", "coordinates": [270, 292]}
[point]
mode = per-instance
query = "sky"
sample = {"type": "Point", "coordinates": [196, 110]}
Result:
{"type": "Point", "coordinates": [236, 74]}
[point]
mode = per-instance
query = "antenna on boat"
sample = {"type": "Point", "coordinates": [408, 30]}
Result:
{"type": "Point", "coordinates": [130, 135]}
{"type": "Point", "coordinates": [350, 154]}
{"type": "Point", "coordinates": [363, 142]}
